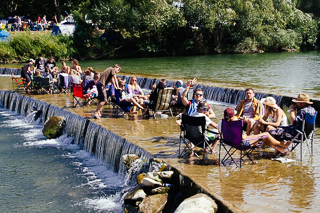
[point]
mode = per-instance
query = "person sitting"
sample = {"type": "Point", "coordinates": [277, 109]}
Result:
{"type": "Point", "coordinates": [40, 63]}
{"type": "Point", "coordinates": [303, 106]}
{"type": "Point", "coordinates": [74, 78]}
{"type": "Point", "coordinates": [126, 98]}
{"type": "Point", "coordinates": [249, 110]}
{"type": "Point", "coordinates": [178, 91]}
{"type": "Point", "coordinates": [229, 115]}
{"type": "Point", "coordinates": [273, 113]}
{"type": "Point", "coordinates": [75, 66]}
{"type": "Point", "coordinates": [88, 75]}
{"type": "Point", "coordinates": [47, 74]}
{"type": "Point", "coordinates": [136, 91]}
{"type": "Point", "coordinates": [65, 68]}
{"type": "Point", "coordinates": [202, 109]}
{"type": "Point", "coordinates": [26, 73]}
{"type": "Point", "coordinates": [191, 107]}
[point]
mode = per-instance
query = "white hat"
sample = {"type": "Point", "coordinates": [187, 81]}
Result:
{"type": "Point", "coordinates": [270, 101]}
{"type": "Point", "coordinates": [178, 83]}
{"type": "Point", "coordinates": [31, 60]}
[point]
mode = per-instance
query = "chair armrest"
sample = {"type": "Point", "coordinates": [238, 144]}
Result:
{"type": "Point", "coordinates": [215, 132]}
{"type": "Point", "coordinates": [256, 138]}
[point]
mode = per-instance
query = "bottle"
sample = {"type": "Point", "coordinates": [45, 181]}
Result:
{"type": "Point", "coordinates": [168, 185]}
{"type": "Point", "coordinates": [163, 166]}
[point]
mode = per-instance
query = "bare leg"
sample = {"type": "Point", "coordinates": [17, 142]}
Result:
{"type": "Point", "coordinates": [135, 103]}
{"type": "Point", "coordinates": [250, 123]}
{"type": "Point", "coordinates": [99, 107]}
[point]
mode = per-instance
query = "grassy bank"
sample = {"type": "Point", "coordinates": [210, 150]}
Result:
{"type": "Point", "coordinates": [25, 45]}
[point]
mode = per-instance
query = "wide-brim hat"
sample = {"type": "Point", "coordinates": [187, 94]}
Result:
{"type": "Point", "coordinates": [270, 101]}
{"type": "Point", "coordinates": [302, 98]}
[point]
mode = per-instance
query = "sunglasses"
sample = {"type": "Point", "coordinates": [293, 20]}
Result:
{"type": "Point", "coordinates": [198, 94]}
{"type": "Point", "coordinates": [134, 80]}
{"type": "Point", "coordinates": [205, 109]}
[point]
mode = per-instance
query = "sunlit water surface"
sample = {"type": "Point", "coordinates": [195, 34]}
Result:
{"type": "Point", "coordinates": [40, 175]}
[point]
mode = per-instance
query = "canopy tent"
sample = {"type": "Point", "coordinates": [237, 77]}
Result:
{"type": "Point", "coordinates": [4, 35]}
{"type": "Point", "coordinates": [64, 29]}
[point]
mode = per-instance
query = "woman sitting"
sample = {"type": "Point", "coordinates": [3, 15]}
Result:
{"type": "Point", "coordinates": [75, 66]}
{"type": "Point", "coordinates": [273, 113]}
{"type": "Point", "coordinates": [270, 141]}
{"type": "Point", "coordinates": [65, 68]}
{"type": "Point", "coordinates": [87, 76]}
{"type": "Point", "coordinates": [136, 91]}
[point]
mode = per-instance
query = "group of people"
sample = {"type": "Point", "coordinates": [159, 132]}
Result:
{"type": "Point", "coordinates": [48, 68]}
{"type": "Point", "coordinates": [261, 119]}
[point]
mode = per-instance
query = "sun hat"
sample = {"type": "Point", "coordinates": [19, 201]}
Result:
{"type": "Point", "coordinates": [228, 113]}
{"type": "Point", "coordinates": [203, 105]}
{"type": "Point", "coordinates": [178, 83]}
{"type": "Point", "coordinates": [303, 98]}
{"type": "Point", "coordinates": [270, 101]}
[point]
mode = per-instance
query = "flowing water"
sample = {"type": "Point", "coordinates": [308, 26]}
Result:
{"type": "Point", "coordinates": [39, 175]}
{"type": "Point", "coordinates": [283, 74]}
{"type": "Point", "coordinates": [265, 187]}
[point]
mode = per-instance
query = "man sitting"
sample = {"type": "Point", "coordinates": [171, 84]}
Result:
{"type": "Point", "coordinates": [202, 110]}
{"type": "Point", "coordinates": [303, 107]}
{"type": "Point", "coordinates": [249, 110]}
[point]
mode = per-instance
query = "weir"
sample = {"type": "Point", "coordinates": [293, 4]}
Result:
{"type": "Point", "coordinates": [105, 145]}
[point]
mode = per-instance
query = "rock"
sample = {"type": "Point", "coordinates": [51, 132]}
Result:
{"type": "Point", "coordinates": [153, 176]}
{"type": "Point", "coordinates": [160, 190]}
{"type": "Point", "coordinates": [165, 174]}
{"type": "Point", "coordinates": [200, 203]}
{"type": "Point", "coordinates": [53, 128]}
{"type": "Point", "coordinates": [150, 182]}
{"type": "Point", "coordinates": [139, 195]}
{"type": "Point", "coordinates": [129, 159]}
{"type": "Point", "coordinates": [134, 194]}
{"type": "Point", "coordinates": [153, 203]}
{"type": "Point", "coordinates": [140, 178]}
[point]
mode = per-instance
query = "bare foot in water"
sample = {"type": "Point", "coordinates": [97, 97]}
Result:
{"type": "Point", "coordinates": [282, 149]}
{"type": "Point", "coordinates": [285, 143]}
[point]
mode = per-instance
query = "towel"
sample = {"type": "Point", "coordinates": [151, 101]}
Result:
{"type": "Point", "coordinates": [193, 107]}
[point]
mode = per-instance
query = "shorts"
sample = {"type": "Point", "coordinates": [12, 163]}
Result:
{"type": "Point", "coordinates": [212, 136]}
{"type": "Point", "coordinates": [284, 133]}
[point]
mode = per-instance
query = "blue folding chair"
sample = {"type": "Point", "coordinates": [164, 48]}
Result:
{"type": "Point", "coordinates": [305, 136]}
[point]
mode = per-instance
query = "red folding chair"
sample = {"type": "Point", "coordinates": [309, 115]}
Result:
{"type": "Point", "coordinates": [78, 95]}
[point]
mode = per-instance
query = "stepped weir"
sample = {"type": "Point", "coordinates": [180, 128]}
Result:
{"type": "Point", "coordinates": [109, 147]}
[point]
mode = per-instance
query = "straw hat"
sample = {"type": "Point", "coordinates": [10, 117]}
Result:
{"type": "Point", "coordinates": [270, 101]}
{"type": "Point", "coordinates": [303, 98]}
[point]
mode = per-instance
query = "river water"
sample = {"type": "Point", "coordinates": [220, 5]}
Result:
{"type": "Point", "coordinates": [283, 74]}
{"type": "Point", "coordinates": [265, 187]}
{"type": "Point", "coordinates": [39, 175]}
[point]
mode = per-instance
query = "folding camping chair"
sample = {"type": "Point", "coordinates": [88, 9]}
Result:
{"type": "Point", "coordinates": [119, 108]}
{"type": "Point", "coordinates": [305, 136]}
{"type": "Point", "coordinates": [36, 84]}
{"type": "Point", "coordinates": [231, 141]}
{"type": "Point", "coordinates": [78, 95]}
{"type": "Point", "coordinates": [46, 85]}
{"type": "Point", "coordinates": [163, 101]}
{"type": "Point", "coordinates": [18, 84]}
{"type": "Point", "coordinates": [63, 83]}
{"type": "Point", "coordinates": [193, 130]}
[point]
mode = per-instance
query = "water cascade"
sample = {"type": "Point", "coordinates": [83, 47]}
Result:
{"type": "Point", "coordinates": [103, 144]}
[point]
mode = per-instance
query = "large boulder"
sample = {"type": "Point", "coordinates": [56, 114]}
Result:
{"type": "Point", "coordinates": [53, 128]}
{"type": "Point", "coordinates": [200, 203]}
{"type": "Point", "coordinates": [129, 159]}
{"type": "Point", "coordinates": [153, 203]}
